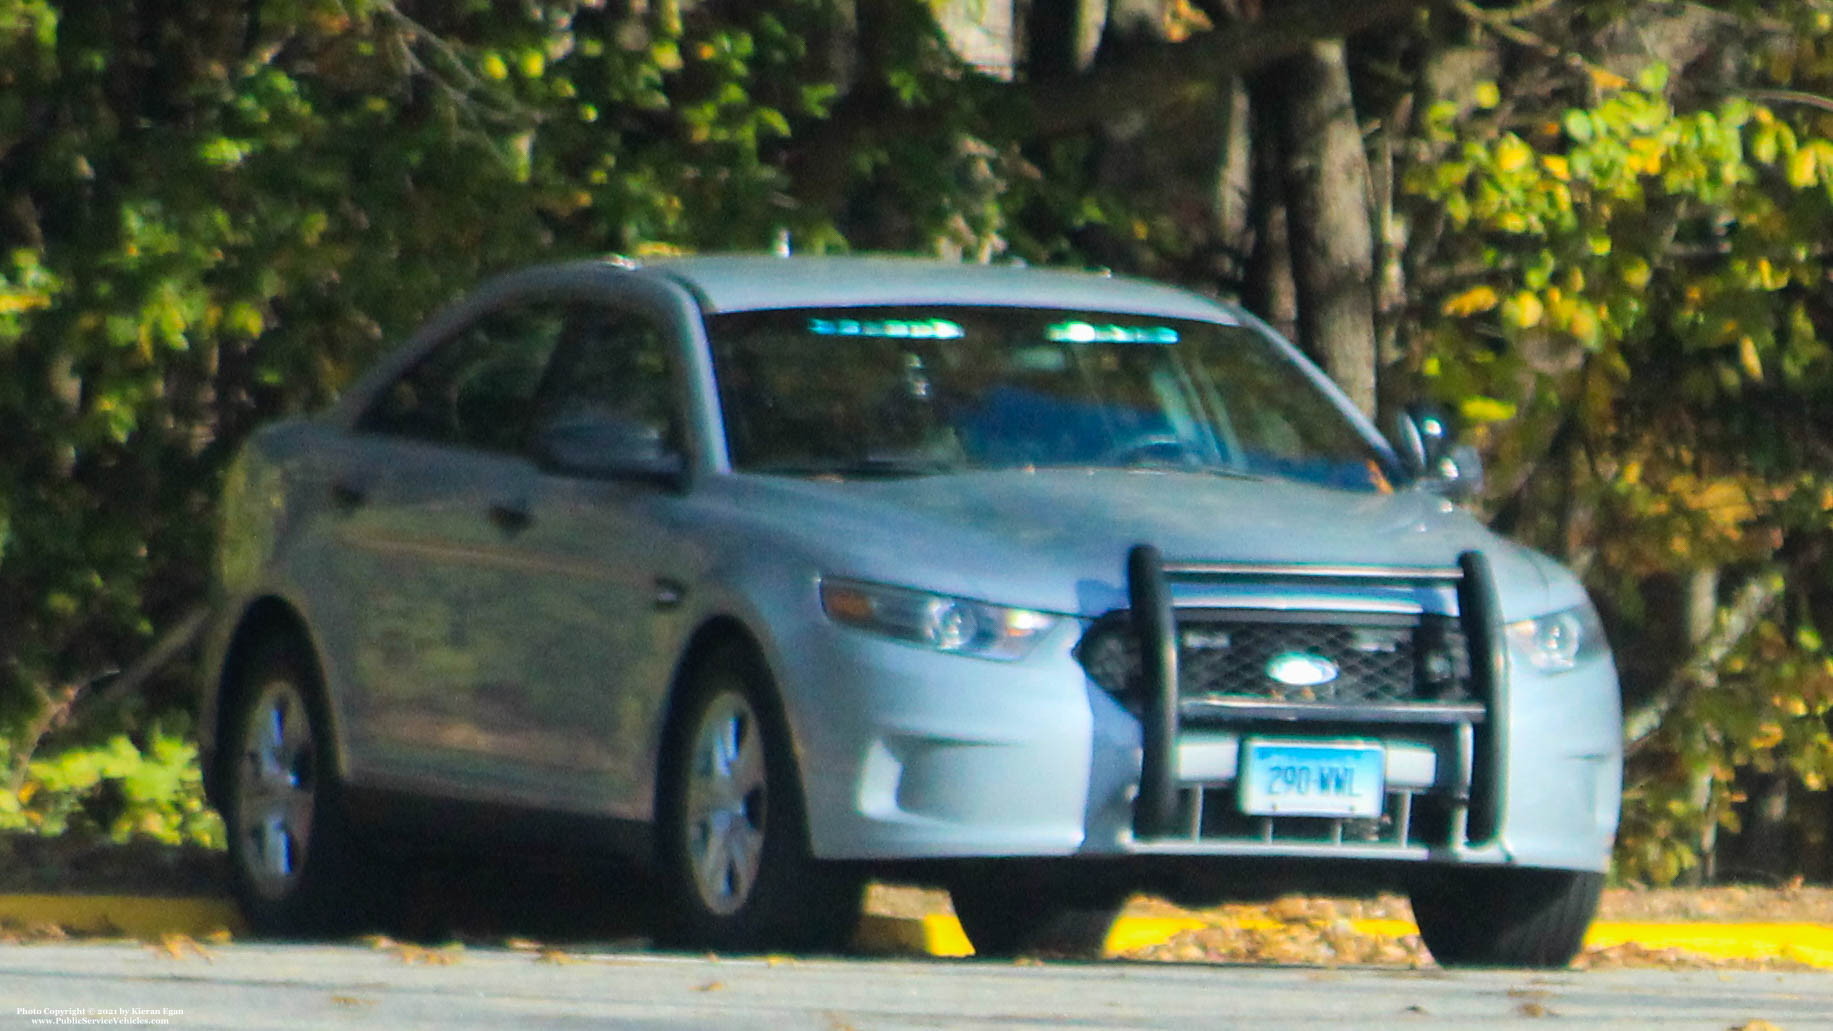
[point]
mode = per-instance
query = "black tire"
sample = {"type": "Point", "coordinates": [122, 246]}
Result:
{"type": "Point", "coordinates": [1004, 917]}
{"type": "Point", "coordinates": [1506, 917]}
{"type": "Point", "coordinates": [732, 833]}
{"type": "Point", "coordinates": [291, 855]}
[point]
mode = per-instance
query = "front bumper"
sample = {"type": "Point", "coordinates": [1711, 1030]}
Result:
{"type": "Point", "coordinates": [910, 754]}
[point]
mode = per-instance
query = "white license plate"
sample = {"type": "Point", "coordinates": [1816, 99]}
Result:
{"type": "Point", "coordinates": [1311, 778]}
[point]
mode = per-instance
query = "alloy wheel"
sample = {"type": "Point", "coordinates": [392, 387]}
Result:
{"type": "Point", "coordinates": [275, 791]}
{"type": "Point", "coordinates": [725, 803]}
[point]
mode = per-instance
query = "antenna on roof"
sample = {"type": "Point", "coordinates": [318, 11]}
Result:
{"type": "Point", "coordinates": [781, 247]}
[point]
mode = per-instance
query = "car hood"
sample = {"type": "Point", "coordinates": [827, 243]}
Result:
{"type": "Point", "coordinates": [1057, 539]}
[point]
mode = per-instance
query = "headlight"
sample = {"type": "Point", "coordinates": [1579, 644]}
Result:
{"type": "Point", "coordinates": [1558, 642]}
{"type": "Point", "coordinates": [937, 621]}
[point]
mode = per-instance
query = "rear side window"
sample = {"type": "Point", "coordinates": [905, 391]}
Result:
{"type": "Point", "coordinates": [476, 389]}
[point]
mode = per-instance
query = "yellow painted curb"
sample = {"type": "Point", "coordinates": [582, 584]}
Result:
{"type": "Point", "coordinates": [131, 916]}
{"type": "Point", "coordinates": [934, 934]}
{"type": "Point", "coordinates": [1811, 944]}
{"type": "Point", "coordinates": [939, 934]}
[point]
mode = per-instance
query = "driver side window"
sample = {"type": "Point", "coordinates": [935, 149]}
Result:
{"type": "Point", "coordinates": [612, 386]}
{"type": "Point", "coordinates": [477, 388]}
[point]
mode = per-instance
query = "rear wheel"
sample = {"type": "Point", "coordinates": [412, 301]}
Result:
{"type": "Point", "coordinates": [1506, 917]}
{"type": "Point", "coordinates": [290, 852]}
{"type": "Point", "coordinates": [734, 836]}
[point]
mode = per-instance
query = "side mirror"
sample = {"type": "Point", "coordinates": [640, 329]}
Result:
{"type": "Point", "coordinates": [1428, 447]}
{"type": "Point", "coordinates": [610, 446]}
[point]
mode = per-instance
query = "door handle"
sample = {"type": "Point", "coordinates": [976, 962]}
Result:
{"type": "Point", "coordinates": [510, 516]}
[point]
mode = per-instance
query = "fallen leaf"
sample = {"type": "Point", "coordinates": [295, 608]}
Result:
{"type": "Point", "coordinates": [710, 986]}
{"type": "Point", "coordinates": [1533, 1009]}
{"type": "Point", "coordinates": [351, 1000]}
{"type": "Point", "coordinates": [178, 946]}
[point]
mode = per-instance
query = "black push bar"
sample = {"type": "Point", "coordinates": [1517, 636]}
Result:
{"type": "Point", "coordinates": [1154, 624]}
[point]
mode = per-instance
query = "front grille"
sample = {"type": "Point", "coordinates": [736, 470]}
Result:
{"type": "Point", "coordinates": [1376, 659]}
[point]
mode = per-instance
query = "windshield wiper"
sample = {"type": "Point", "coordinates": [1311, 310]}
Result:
{"type": "Point", "coordinates": [868, 467]}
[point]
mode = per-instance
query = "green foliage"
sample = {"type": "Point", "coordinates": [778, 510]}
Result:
{"type": "Point", "coordinates": [1646, 297]}
{"type": "Point", "coordinates": [118, 790]}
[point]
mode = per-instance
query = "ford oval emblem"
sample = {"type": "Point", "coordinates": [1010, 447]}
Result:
{"type": "Point", "coordinates": [1301, 669]}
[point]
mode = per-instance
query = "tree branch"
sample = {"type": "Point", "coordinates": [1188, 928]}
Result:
{"type": "Point", "coordinates": [1158, 75]}
{"type": "Point", "coordinates": [1754, 601]}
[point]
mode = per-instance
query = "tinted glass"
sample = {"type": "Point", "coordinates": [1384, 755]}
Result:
{"type": "Point", "coordinates": [476, 389]}
{"type": "Point", "coordinates": [616, 364]}
{"type": "Point", "coordinates": [905, 391]}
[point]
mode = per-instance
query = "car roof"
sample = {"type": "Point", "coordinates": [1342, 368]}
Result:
{"type": "Point", "coordinates": [729, 283]}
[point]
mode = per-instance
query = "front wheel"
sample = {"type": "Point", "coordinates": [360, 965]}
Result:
{"type": "Point", "coordinates": [290, 848]}
{"type": "Point", "coordinates": [1506, 917]}
{"type": "Point", "coordinates": [734, 837]}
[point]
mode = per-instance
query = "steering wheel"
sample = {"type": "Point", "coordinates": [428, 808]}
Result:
{"type": "Point", "coordinates": [1154, 448]}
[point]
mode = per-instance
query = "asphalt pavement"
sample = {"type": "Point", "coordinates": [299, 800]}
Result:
{"type": "Point", "coordinates": [250, 986]}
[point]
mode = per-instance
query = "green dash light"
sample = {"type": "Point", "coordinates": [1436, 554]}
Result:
{"type": "Point", "coordinates": [1095, 333]}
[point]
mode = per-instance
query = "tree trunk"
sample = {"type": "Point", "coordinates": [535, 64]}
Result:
{"type": "Point", "coordinates": [1269, 291]}
{"type": "Point", "coordinates": [1234, 188]}
{"type": "Point", "coordinates": [1328, 219]}
{"type": "Point", "coordinates": [1702, 619]}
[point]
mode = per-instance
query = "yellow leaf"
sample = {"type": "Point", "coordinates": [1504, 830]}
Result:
{"type": "Point", "coordinates": [494, 67]}
{"type": "Point", "coordinates": [1477, 410]}
{"type": "Point", "coordinates": [17, 303]}
{"type": "Point", "coordinates": [1470, 302]}
{"type": "Point", "coordinates": [1748, 359]}
{"type": "Point", "coordinates": [1607, 79]}
{"type": "Point", "coordinates": [1632, 473]}
{"type": "Point", "coordinates": [1487, 95]}
{"type": "Point", "coordinates": [1512, 155]}
{"type": "Point", "coordinates": [1803, 168]}
{"type": "Point", "coordinates": [1583, 324]}
{"type": "Point", "coordinates": [1556, 166]}
{"type": "Point", "coordinates": [1524, 310]}
{"type": "Point", "coordinates": [1769, 735]}
{"type": "Point", "coordinates": [1636, 274]}
{"type": "Point", "coordinates": [1771, 277]}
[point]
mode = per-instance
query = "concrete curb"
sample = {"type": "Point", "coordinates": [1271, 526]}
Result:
{"type": "Point", "coordinates": [933, 934]}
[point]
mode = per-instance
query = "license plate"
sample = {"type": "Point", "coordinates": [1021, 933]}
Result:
{"type": "Point", "coordinates": [1310, 778]}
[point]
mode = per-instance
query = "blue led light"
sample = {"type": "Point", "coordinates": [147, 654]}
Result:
{"type": "Point", "coordinates": [905, 329]}
{"type": "Point", "coordinates": [1093, 333]}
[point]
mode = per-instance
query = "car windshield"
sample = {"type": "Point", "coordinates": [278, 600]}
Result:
{"type": "Point", "coordinates": [913, 391]}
